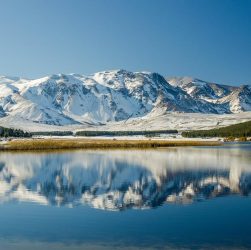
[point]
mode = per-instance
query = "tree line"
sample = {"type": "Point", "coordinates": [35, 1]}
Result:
{"type": "Point", "coordinates": [125, 133]}
{"type": "Point", "coordinates": [236, 130]}
{"type": "Point", "coordinates": [10, 132]}
{"type": "Point", "coordinates": [52, 133]}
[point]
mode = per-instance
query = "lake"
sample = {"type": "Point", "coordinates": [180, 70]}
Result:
{"type": "Point", "coordinates": [170, 198]}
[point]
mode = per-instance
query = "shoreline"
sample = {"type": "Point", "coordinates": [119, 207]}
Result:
{"type": "Point", "coordinates": [66, 143]}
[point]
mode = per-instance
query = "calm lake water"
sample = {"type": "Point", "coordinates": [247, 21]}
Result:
{"type": "Point", "coordinates": [185, 198]}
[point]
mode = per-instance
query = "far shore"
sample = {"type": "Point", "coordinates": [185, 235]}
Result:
{"type": "Point", "coordinates": [98, 143]}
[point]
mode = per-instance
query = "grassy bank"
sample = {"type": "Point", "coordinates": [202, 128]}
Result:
{"type": "Point", "coordinates": [50, 144]}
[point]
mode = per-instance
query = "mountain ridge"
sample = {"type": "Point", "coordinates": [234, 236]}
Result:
{"type": "Point", "coordinates": [112, 96]}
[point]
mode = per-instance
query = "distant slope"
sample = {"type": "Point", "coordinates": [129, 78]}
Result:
{"type": "Point", "coordinates": [153, 121]}
{"type": "Point", "coordinates": [237, 130]}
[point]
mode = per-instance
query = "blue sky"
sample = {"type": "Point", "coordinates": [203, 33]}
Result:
{"type": "Point", "coordinates": [208, 39]}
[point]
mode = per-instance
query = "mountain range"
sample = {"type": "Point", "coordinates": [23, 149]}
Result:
{"type": "Point", "coordinates": [112, 96]}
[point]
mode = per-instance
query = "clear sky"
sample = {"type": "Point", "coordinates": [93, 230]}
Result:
{"type": "Point", "coordinates": [208, 39]}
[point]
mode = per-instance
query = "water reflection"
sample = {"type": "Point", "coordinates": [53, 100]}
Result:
{"type": "Point", "coordinates": [122, 179]}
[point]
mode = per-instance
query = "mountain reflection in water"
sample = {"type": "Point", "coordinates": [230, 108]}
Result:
{"type": "Point", "coordinates": [122, 179]}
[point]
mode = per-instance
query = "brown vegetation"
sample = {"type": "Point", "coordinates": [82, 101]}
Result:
{"type": "Point", "coordinates": [48, 144]}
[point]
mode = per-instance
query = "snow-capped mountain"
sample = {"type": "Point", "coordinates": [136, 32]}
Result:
{"type": "Point", "coordinates": [235, 99]}
{"type": "Point", "coordinates": [118, 180]}
{"type": "Point", "coordinates": [113, 96]}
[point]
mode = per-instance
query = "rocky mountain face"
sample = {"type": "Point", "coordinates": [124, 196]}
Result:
{"type": "Point", "coordinates": [235, 99]}
{"type": "Point", "coordinates": [114, 96]}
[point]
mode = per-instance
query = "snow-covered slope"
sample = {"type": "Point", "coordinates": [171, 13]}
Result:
{"type": "Point", "coordinates": [113, 96]}
{"type": "Point", "coordinates": [235, 99]}
{"type": "Point", "coordinates": [239, 100]}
